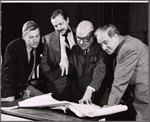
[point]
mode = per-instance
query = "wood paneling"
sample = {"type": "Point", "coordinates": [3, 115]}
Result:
{"type": "Point", "coordinates": [138, 21]}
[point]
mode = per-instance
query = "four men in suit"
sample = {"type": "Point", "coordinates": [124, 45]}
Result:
{"type": "Point", "coordinates": [16, 71]}
{"type": "Point", "coordinates": [131, 68]}
{"type": "Point", "coordinates": [87, 58]}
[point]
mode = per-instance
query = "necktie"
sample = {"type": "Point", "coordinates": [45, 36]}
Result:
{"type": "Point", "coordinates": [85, 52]}
{"type": "Point", "coordinates": [66, 40]}
{"type": "Point", "coordinates": [31, 61]}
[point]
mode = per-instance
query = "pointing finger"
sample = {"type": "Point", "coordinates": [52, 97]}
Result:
{"type": "Point", "coordinates": [62, 71]}
{"type": "Point", "coordinates": [66, 70]}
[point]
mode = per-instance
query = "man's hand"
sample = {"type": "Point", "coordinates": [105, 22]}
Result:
{"type": "Point", "coordinates": [87, 97]}
{"type": "Point", "coordinates": [64, 64]}
{"type": "Point", "coordinates": [8, 99]}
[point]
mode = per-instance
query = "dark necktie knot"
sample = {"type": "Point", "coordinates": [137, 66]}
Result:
{"type": "Point", "coordinates": [66, 34]}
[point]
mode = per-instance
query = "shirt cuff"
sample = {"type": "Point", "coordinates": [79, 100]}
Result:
{"type": "Point", "coordinates": [89, 87]}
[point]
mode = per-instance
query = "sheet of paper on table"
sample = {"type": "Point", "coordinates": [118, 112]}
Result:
{"type": "Point", "coordinates": [81, 110]}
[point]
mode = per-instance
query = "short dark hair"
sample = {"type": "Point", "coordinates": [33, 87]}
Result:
{"type": "Point", "coordinates": [58, 12]}
{"type": "Point", "coordinates": [112, 30]}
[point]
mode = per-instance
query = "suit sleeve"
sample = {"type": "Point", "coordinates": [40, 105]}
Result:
{"type": "Point", "coordinates": [44, 61]}
{"type": "Point", "coordinates": [9, 71]}
{"type": "Point", "coordinates": [71, 62]}
{"type": "Point", "coordinates": [98, 73]}
{"type": "Point", "coordinates": [51, 71]}
{"type": "Point", "coordinates": [126, 62]}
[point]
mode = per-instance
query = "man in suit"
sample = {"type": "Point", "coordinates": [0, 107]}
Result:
{"type": "Point", "coordinates": [54, 62]}
{"type": "Point", "coordinates": [92, 64]}
{"type": "Point", "coordinates": [131, 68]}
{"type": "Point", "coordinates": [19, 63]}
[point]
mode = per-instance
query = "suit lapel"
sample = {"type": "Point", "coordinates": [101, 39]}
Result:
{"type": "Point", "coordinates": [55, 43]}
{"type": "Point", "coordinates": [24, 52]}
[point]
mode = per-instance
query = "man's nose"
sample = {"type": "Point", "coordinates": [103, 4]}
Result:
{"type": "Point", "coordinates": [36, 39]}
{"type": "Point", "coordinates": [81, 41]}
{"type": "Point", "coordinates": [104, 46]}
{"type": "Point", "coordinates": [58, 27]}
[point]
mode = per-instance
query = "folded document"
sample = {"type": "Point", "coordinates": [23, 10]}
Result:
{"type": "Point", "coordinates": [81, 110]}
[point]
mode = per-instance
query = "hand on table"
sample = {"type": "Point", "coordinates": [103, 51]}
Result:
{"type": "Point", "coordinates": [87, 97]}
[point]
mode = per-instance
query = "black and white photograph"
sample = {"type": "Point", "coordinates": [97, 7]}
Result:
{"type": "Point", "coordinates": [74, 60]}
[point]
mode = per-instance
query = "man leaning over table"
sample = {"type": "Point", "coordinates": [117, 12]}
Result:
{"type": "Point", "coordinates": [131, 68]}
{"type": "Point", "coordinates": [91, 64]}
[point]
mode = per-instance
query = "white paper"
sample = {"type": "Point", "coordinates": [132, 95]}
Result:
{"type": "Point", "coordinates": [8, 108]}
{"type": "Point", "coordinates": [45, 100]}
{"type": "Point", "coordinates": [81, 110]}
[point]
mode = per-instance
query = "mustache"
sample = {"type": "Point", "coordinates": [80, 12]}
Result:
{"type": "Point", "coordinates": [60, 30]}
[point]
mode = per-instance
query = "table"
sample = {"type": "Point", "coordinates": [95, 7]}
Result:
{"type": "Point", "coordinates": [45, 114]}
{"type": "Point", "coordinates": [6, 117]}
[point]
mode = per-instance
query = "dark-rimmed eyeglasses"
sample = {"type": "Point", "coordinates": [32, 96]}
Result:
{"type": "Point", "coordinates": [84, 39]}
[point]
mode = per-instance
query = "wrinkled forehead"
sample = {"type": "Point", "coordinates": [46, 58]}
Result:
{"type": "Point", "coordinates": [58, 19]}
{"type": "Point", "coordinates": [34, 32]}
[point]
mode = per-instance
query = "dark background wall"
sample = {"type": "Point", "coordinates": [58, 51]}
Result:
{"type": "Point", "coordinates": [130, 18]}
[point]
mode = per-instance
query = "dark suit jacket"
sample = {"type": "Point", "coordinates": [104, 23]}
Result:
{"type": "Point", "coordinates": [15, 69]}
{"type": "Point", "coordinates": [60, 86]}
{"type": "Point", "coordinates": [93, 69]}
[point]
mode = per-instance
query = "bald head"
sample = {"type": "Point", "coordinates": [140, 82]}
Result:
{"type": "Point", "coordinates": [84, 28]}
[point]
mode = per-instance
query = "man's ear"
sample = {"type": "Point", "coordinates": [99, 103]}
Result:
{"type": "Point", "coordinates": [67, 20]}
{"type": "Point", "coordinates": [24, 35]}
{"type": "Point", "coordinates": [116, 36]}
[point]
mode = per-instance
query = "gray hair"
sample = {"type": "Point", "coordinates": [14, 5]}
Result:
{"type": "Point", "coordinates": [110, 29]}
{"type": "Point", "coordinates": [29, 26]}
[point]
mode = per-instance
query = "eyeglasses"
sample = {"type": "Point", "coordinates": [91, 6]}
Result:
{"type": "Point", "coordinates": [84, 39]}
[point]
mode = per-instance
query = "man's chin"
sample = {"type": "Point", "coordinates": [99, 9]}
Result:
{"type": "Point", "coordinates": [109, 53]}
{"type": "Point", "coordinates": [62, 33]}
{"type": "Point", "coordinates": [34, 46]}
{"type": "Point", "coordinates": [83, 48]}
